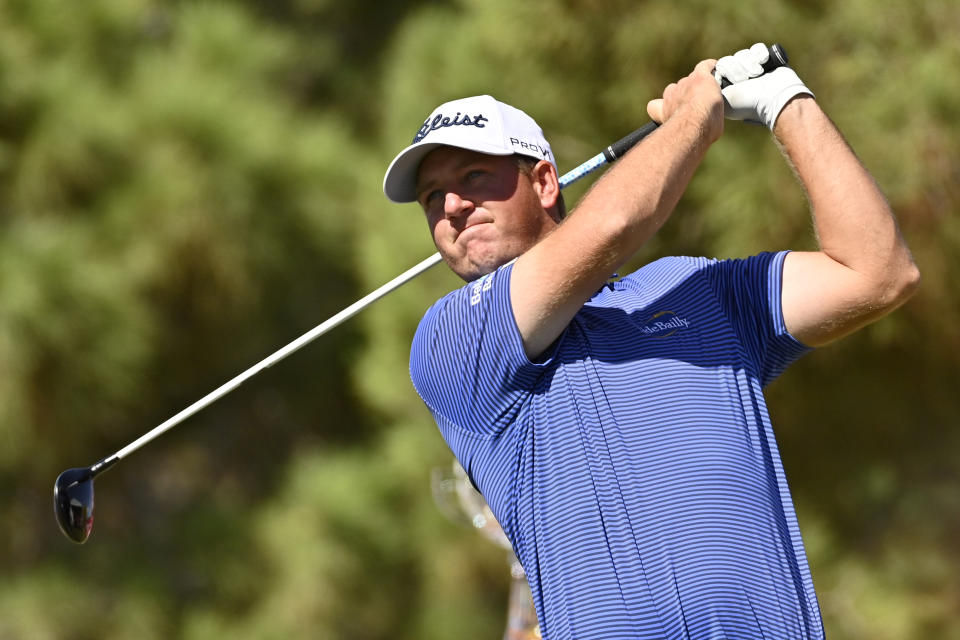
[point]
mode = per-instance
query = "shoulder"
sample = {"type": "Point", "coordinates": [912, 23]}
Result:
{"type": "Point", "coordinates": [476, 297]}
{"type": "Point", "coordinates": [475, 316]}
{"type": "Point", "coordinates": [671, 268]}
{"type": "Point", "coordinates": [667, 272]}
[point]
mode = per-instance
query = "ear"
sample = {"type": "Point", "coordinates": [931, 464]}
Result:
{"type": "Point", "coordinates": [546, 183]}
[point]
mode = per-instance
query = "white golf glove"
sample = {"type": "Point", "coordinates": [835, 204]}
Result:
{"type": "Point", "coordinates": [755, 96]}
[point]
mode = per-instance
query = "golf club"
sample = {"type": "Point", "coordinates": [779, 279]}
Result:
{"type": "Point", "coordinates": [73, 489]}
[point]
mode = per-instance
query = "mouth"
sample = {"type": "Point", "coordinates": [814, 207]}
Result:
{"type": "Point", "coordinates": [472, 229]}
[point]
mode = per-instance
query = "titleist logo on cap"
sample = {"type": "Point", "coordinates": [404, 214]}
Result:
{"type": "Point", "coordinates": [439, 121]}
{"type": "Point", "coordinates": [501, 130]}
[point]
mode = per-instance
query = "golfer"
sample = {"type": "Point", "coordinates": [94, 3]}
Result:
{"type": "Point", "coordinates": [617, 426]}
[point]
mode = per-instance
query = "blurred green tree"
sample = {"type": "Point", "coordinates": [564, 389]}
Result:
{"type": "Point", "coordinates": [186, 186]}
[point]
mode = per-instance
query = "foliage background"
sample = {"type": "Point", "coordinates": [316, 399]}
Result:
{"type": "Point", "coordinates": [186, 186]}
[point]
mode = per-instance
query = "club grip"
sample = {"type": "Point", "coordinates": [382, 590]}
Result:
{"type": "Point", "coordinates": [624, 144]}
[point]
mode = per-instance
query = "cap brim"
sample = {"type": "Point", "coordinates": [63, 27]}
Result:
{"type": "Point", "coordinates": [400, 181]}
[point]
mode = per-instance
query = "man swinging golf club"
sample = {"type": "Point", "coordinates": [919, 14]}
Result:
{"type": "Point", "coordinates": [618, 428]}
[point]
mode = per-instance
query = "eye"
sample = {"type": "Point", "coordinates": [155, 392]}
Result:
{"type": "Point", "coordinates": [431, 198]}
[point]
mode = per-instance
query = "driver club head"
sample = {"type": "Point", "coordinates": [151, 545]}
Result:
{"type": "Point", "coordinates": [73, 503]}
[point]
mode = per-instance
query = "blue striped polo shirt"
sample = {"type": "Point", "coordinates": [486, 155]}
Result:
{"type": "Point", "coordinates": [633, 466]}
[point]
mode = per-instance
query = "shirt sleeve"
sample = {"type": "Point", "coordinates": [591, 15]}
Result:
{"type": "Point", "coordinates": [750, 292]}
{"type": "Point", "coordinates": [467, 360]}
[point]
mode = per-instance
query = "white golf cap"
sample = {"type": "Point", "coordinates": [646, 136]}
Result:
{"type": "Point", "coordinates": [478, 123]}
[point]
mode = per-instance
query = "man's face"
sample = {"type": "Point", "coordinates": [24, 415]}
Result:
{"type": "Point", "coordinates": [482, 210]}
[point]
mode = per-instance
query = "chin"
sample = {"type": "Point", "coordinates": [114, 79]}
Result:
{"type": "Point", "coordinates": [469, 270]}
{"type": "Point", "coordinates": [470, 266]}
{"type": "Point", "coordinates": [471, 273]}
{"type": "Point", "coordinates": [474, 271]}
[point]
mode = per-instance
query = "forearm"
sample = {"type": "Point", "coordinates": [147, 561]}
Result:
{"type": "Point", "coordinates": [636, 196]}
{"type": "Point", "coordinates": [630, 203]}
{"type": "Point", "coordinates": [618, 215]}
{"type": "Point", "coordinates": [554, 278]}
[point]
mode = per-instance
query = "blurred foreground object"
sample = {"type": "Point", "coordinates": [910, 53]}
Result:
{"type": "Point", "coordinates": [459, 501]}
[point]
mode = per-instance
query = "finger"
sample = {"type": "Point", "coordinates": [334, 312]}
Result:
{"type": "Point", "coordinates": [748, 60]}
{"type": "Point", "coordinates": [655, 110]}
{"type": "Point", "coordinates": [761, 52]}
{"type": "Point", "coordinates": [705, 66]}
{"type": "Point", "coordinates": [732, 69]}
{"type": "Point", "coordinates": [669, 95]}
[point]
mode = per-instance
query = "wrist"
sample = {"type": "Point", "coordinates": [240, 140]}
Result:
{"type": "Point", "coordinates": [797, 109]}
{"type": "Point", "coordinates": [790, 87]}
{"type": "Point", "coordinates": [701, 121]}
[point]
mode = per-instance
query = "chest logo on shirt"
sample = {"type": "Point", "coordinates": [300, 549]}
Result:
{"type": "Point", "coordinates": [663, 324]}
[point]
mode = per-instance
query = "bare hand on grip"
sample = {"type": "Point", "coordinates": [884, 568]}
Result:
{"type": "Point", "coordinates": [696, 95]}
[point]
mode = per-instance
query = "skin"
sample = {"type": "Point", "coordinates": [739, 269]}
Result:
{"type": "Point", "coordinates": [864, 269]}
{"type": "Point", "coordinates": [482, 210]}
{"type": "Point", "coordinates": [483, 213]}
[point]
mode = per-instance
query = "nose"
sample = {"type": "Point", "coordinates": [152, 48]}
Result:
{"type": "Point", "coordinates": [455, 205]}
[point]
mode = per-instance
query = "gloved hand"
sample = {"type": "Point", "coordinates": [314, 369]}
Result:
{"type": "Point", "coordinates": [755, 96]}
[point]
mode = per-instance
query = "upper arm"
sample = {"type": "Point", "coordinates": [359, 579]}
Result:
{"type": "Point", "coordinates": [863, 268]}
{"type": "Point", "coordinates": [467, 361]}
{"type": "Point", "coordinates": [553, 280]}
{"type": "Point", "coordinates": [824, 300]}
{"type": "Point", "coordinates": [750, 292]}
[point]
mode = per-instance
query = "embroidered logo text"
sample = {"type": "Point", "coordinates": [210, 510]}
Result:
{"type": "Point", "coordinates": [439, 121]}
{"type": "Point", "coordinates": [663, 324]}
